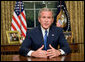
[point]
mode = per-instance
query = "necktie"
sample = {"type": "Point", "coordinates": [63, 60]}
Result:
{"type": "Point", "coordinates": [45, 40]}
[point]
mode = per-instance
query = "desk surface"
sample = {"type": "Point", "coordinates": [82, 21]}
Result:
{"type": "Point", "coordinates": [69, 57]}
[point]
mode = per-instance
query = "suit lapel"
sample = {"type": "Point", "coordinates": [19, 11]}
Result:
{"type": "Point", "coordinates": [40, 35]}
{"type": "Point", "coordinates": [51, 35]}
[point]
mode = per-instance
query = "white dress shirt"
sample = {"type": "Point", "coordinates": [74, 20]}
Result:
{"type": "Point", "coordinates": [43, 32]}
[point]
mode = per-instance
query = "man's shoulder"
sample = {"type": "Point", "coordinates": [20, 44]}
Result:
{"type": "Point", "coordinates": [57, 28]}
{"type": "Point", "coordinates": [32, 30]}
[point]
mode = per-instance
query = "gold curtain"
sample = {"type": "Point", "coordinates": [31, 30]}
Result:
{"type": "Point", "coordinates": [7, 8]}
{"type": "Point", "coordinates": [75, 9]}
{"type": "Point", "coordinates": [76, 12]}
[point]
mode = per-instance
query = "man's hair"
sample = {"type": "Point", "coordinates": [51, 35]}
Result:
{"type": "Point", "coordinates": [45, 9]}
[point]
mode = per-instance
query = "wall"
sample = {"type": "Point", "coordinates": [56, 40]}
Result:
{"type": "Point", "coordinates": [75, 9]}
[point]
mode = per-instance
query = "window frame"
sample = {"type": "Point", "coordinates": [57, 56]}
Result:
{"type": "Point", "coordinates": [34, 9]}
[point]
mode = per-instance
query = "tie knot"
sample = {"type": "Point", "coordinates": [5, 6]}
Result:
{"type": "Point", "coordinates": [46, 31]}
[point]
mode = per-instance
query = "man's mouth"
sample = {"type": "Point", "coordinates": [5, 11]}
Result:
{"type": "Point", "coordinates": [46, 24]}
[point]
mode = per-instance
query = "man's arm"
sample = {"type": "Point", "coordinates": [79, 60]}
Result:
{"type": "Point", "coordinates": [63, 43]}
{"type": "Point", "coordinates": [24, 49]}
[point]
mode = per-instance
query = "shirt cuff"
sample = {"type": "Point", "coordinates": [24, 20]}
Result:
{"type": "Point", "coordinates": [29, 53]}
{"type": "Point", "coordinates": [62, 52]}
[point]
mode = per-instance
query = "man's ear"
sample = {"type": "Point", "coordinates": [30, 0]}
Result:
{"type": "Point", "coordinates": [52, 20]}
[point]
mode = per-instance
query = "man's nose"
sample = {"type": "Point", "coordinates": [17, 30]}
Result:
{"type": "Point", "coordinates": [46, 19]}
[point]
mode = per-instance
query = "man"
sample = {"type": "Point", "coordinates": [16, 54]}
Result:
{"type": "Point", "coordinates": [39, 44]}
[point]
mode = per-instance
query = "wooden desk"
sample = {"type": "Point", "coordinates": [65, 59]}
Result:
{"type": "Point", "coordinates": [14, 49]}
{"type": "Point", "coordinates": [69, 57]}
{"type": "Point", "coordinates": [10, 49]}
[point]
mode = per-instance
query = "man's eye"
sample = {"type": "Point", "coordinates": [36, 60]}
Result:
{"type": "Point", "coordinates": [43, 17]}
{"type": "Point", "coordinates": [49, 17]}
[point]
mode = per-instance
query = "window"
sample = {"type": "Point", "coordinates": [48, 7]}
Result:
{"type": "Point", "coordinates": [32, 8]}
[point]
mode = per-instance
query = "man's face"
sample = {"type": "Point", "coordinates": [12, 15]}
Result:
{"type": "Point", "coordinates": [46, 19]}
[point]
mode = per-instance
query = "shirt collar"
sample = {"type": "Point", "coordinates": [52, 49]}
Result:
{"type": "Point", "coordinates": [44, 29]}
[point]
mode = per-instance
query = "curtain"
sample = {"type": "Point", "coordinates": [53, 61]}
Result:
{"type": "Point", "coordinates": [7, 8]}
{"type": "Point", "coordinates": [75, 10]}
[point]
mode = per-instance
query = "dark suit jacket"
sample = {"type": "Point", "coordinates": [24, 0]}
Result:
{"type": "Point", "coordinates": [34, 40]}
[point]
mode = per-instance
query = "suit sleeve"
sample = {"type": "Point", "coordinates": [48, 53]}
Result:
{"type": "Point", "coordinates": [24, 49]}
{"type": "Point", "coordinates": [63, 43]}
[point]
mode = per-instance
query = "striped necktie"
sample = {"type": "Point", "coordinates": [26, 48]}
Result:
{"type": "Point", "coordinates": [45, 40]}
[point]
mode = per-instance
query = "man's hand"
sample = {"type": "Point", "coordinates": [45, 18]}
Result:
{"type": "Point", "coordinates": [52, 52]}
{"type": "Point", "coordinates": [40, 53]}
